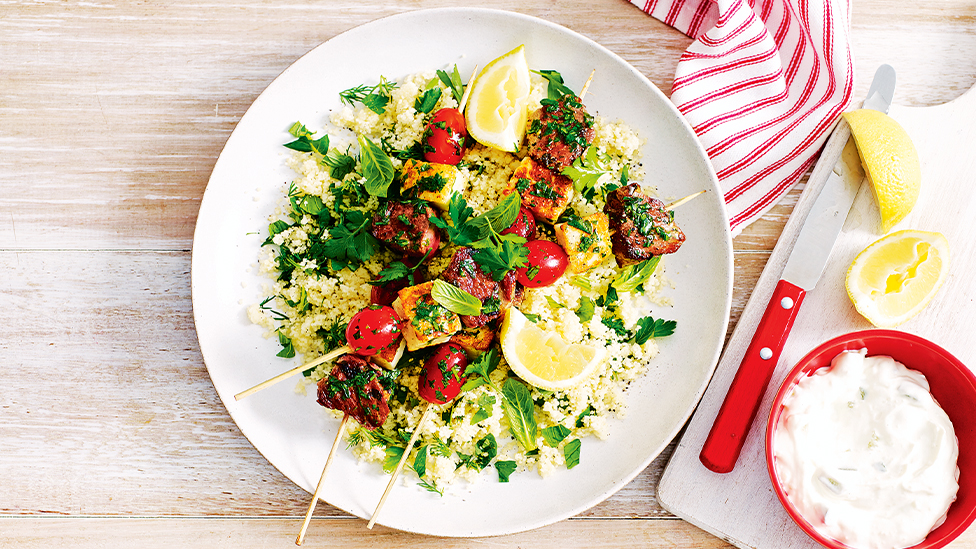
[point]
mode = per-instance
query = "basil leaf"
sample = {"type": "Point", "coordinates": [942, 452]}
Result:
{"type": "Point", "coordinates": [500, 217]}
{"type": "Point", "coordinates": [455, 299]}
{"type": "Point", "coordinates": [572, 453]}
{"type": "Point", "coordinates": [377, 167]}
{"type": "Point", "coordinates": [632, 276]}
{"type": "Point", "coordinates": [339, 164]}
{"type": "Point", "coordinates": [555, 434]}
{"type": "Point", "coordinates": [520, 413]}
{"type": "Point", "coordinates": [505, 469]}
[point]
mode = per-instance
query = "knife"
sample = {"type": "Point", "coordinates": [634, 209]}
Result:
{"type": "Point", "coordinates": [804, 267]}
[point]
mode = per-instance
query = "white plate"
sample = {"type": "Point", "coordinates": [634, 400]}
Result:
{"type": "Point", "coordinates": [292, 432]}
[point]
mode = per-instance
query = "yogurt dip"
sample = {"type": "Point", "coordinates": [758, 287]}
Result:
{"type": "Point", "coordinates": [866, 454]}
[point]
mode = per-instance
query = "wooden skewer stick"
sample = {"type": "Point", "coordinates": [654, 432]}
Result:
{"type": "Point", "coordinates": [403, 459]}
{"type": "Point", "coordinates": [587, 85]}
{"type": "Point", "coordinates": [318, 487]}
{"type": "Point", "coordinates": [681, 201]}
{"type": "Point", "coordinates": [307, 366]}
{"type": "Point", "coordinates": [467, 90]}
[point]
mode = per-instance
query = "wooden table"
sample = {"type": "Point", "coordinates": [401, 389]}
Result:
{"type": "Point", "coordinates": [111, 118]}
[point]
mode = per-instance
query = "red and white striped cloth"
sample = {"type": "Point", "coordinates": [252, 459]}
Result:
{"type": "Point", "coordinates": [762, 85]}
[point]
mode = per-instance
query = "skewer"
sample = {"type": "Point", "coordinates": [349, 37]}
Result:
{"type": "Point", "coordinates": [399, 467]}
{"type": "Point", "coordinates": [307, 366]}
{"type": "Point", "coordinates": [586, 86]}
{"type": "Point", "coordinates": [467, 90]}
{"type": "Point", "coordinates": [681, 201]}
{"type": "Point", "coordinates": [318, 487]}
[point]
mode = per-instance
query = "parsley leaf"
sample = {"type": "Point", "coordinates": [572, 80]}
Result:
{"type": "Point", "coordinates": [557, 88]}
{"type": "Point", "coordinates": [651, 328]}
{"type": "Point", "coordinates": [427, 100]}
{"type": "Point", "coordinates": [377, 167]}
{"type": "Point", "coordinates": [585, 310]}
{"type": "Point", "coordinates": [486, 407]}
{"type": "Point", "coordinates": [420, 461]}
{"type": "Point", "coordinates": [505, 469]}
{"type": "Point", "coordinates": [587, 170]}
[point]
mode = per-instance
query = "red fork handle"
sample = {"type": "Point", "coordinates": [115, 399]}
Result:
{"type": "Point", "coordinates": [728, 434]}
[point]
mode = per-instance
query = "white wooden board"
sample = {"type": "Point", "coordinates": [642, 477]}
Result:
{"type": "Point", "coordinates": [741, 506]}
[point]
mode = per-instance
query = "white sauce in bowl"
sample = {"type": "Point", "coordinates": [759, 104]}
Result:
{"type": "Point", "coordinates": [866, 454]}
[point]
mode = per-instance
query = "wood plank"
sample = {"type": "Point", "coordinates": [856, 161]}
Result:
{"type": "Point", "coordinates": [104, 379]}
{"type": "Point", "coordinates": [214, 533]}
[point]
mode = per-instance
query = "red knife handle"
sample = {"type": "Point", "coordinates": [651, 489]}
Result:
{"type": "Point", "coordinates": [728, 434]}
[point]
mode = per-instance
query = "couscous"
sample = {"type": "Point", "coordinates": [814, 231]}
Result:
{"type": "Point", "coordinates": [315, 293]}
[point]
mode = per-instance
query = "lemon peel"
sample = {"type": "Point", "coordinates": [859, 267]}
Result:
{"type": "Point", "coordinates": [497, 105]}
{"type": "Point", "coordinates": [894, 278]}
{"type": "Point", "coordinates": [890, 161]}
{"type": "Point", "coordinates": [543, 358]}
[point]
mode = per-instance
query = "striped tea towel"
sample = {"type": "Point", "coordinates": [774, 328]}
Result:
{"type": "Point", "coordinates": [762, 85]}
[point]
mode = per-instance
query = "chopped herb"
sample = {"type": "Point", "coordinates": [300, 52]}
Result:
{"type": "Point", "coordinates": [572, 453]}
{"type": "Point", "coordinates": [651, 328]}
{"type": "Point", "coordinates": [555, 434]}
{"type": "Point", "coordinates": [557, 88]}
{"type": "Point", "coordinates": [505, 469]}
{"type": "Point", "coordinates": [455, 299]}
{"type": "Point", "coordinates": [486, 406]}
{"type": "Point", "coordinates": [428, 100]}
{"type": "Point", "coordinates": [585, 309]}
{"type": "Point", "coordinates": [631, 277]}
{"type": "Point", "coordinates": [453, 83]}
{"type": "Point", "coordinates": [287, 350]}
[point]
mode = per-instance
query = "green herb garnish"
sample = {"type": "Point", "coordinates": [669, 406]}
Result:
{"type": "Point", "coordinates": [455, 299]}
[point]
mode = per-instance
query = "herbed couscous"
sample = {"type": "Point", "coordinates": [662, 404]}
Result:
{"type": "Point", "coordinates": [322, 259]}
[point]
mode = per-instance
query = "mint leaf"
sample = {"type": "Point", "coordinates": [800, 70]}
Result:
{"type": "Point", "coordinates": [572, 453]}
{"type": "Point", "coordinates": [520, 413]}
{"type": "Point", "coordinates": [555, 434]}
{"type": "Point", "coordinates": [505, 469]}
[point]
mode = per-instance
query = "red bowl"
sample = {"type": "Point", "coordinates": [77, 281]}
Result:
{"type": "Point", "coordinates": [952, 384]}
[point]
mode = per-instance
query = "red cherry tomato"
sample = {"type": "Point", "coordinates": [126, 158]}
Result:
{"type": "Point", "coordinates": [372, 329]}
{"type": "Point", "coordinates": [443, 374]}
{"type": "Point", "coordinates": [546, 263]}
{"type": "Point", "coordinates": [524, 224]}
{"type": "Point", "coordinates": [444, 137]}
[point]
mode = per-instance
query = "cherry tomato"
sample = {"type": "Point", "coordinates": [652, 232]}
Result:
{"type": "Point", "coordinates": [524, 224]}
{"type": "Point", "coordinates": [546, 263]}
{"type": "Point", "coordinates": [444, 137]}
{"type": "Point", "coordinates": [443, 374]}
{"type": "Point", "coordinates": [372, 329]}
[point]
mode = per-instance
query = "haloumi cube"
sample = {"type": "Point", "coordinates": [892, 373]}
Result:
{"type": "Point", "coordinates": [586, 241]}
{"type": "Point", "coordinates": [474, 341]}
{"type": "Point", "coordinates": [544, 192]}
{"type": "Point", "coordinates": [425, 322]}
{"type": "Point", "coordinates": [428, 181]}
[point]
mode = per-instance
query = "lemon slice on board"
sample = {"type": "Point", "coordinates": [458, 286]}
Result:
{"type": "Point", "coordinates": [544, 359]}
{"type": "Point", "coordinates": [893, 279]}
{"type": "Point", "coordinates": [497, 104]}
{"type": "Point", "coordinates": [890, 162]}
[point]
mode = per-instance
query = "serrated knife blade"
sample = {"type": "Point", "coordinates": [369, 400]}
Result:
{"type": "Point", "coordinates": [802, 271]}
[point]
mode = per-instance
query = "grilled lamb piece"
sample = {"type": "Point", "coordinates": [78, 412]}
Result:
{"type": "Point", "coordinates": [405, 228]}
{"type": "Point", "coordinates": [353, 388]}
{"type": "Point", "coordinates": [559, 132]}
{"type": "Point", "coordinates": [641, 227]}
{"type": "Point", "coordinates": [466, 274]}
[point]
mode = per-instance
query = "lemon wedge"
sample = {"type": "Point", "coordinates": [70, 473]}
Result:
{"type": "Point", "coordinates": [498, 102]}
{"type": "Point", "coordinates": [544, 359]}
{"type": "Point", "coordinates": [890, 162]}
{"type": "Point", "coordinates": [893, 279]}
